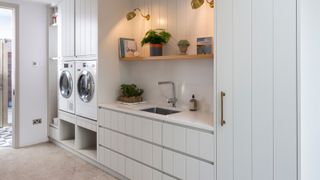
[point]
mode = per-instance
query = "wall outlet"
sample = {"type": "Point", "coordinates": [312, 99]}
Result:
{"type": "Point", "coordinates": [36, 121]}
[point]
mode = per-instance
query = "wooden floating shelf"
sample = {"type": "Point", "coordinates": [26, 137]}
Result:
{"type": "Point", "coordinates": [167, 58]}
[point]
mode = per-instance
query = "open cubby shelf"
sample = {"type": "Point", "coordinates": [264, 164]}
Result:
{"type": "Point", "coordinates": [67, 133]}
{"type": "Point", "coordinates": [86, 142]}
{"type": "Point", "coordinates": [167, 58]}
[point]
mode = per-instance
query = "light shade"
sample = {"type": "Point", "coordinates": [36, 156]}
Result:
{"type": "Point", "coordinates": [131, 15]}
{"type": "Point", "coordinates": [195, 4]}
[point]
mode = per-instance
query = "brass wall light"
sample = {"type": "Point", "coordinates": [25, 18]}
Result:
{"type": "Point", "coordinates": [133, 14]}
{"type": "Point", "coordinates": [195, 4]}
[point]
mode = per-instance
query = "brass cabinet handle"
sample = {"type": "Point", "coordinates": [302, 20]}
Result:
{"type": "Point", "coordinates": [223, 122]}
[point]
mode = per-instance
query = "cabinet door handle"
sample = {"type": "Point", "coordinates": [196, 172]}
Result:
{"type": "Point", "coordinates": [223, 122]}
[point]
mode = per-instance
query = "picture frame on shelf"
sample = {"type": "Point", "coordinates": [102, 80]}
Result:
{"type": "Point", "coordinates": [128, 48]}
{"type": "Point", "coordinates": [204, 45]}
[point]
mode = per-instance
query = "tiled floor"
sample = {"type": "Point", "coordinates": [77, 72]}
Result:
{"type": "Point", "coordinates": [6, 137]}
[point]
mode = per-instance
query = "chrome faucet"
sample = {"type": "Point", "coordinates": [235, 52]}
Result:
{"type": "Point", "coordinates": [174, 99]}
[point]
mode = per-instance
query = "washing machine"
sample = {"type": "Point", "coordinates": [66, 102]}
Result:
{"type": "Point", "coordinates": [66, 87]}
{"type": "Point", "coordinates": [86, 89]}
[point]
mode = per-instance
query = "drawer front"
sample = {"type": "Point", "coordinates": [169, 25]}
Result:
{"type": "Point", "coordinates": [86, 123]}
{"type": "Point", "coordinates": [137, 171]}
{"type": "Point", "coordinates": [112, 160]}
{"type": "Point", "coordinates": [185, 167]}
{"type": "Point", "coordinates": [139, 127]}
{"type": "Point", "coordinates": [174, 137]}
{"type": "Point", "coordinates": [151, 147]}
{"type": "Point", "coordinates": [67, 117]}
{"type": "Point", "coordinates": [193, 142]}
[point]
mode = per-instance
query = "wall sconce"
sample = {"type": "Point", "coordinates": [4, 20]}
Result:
{"type": "Point", "coordinates": [195, 4]}
{"type": "Point", "coordinates": [133, 14]}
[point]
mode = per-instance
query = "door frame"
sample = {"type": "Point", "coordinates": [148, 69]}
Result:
{"type": "Point", "coordinates": [16, 89]}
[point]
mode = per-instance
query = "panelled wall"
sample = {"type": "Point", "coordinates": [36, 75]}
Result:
{"type": "Point", "coordinates": [176, 17]}
{"type": "Point", "coordinates": [192, 76]}
{"type": "Point", "coordinates": [256, 64]}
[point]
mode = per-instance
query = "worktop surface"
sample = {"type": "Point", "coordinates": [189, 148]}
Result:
{"type": "Point", "coordinates": [198, 120]}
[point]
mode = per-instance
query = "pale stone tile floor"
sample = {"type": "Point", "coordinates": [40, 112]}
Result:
{"type": "Point", "coordinates": [46, 162]}
{"type": "Point", "coordinates": [6, 137]}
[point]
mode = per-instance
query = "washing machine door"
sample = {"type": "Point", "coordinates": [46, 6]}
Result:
{"type": "Point", "coordinates": [66, 84]}
{"type": "Point", "coordinates": [86, 86]}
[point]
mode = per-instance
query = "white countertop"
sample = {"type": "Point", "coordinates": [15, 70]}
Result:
{"type": "Point", "coordinates": [200, 120]}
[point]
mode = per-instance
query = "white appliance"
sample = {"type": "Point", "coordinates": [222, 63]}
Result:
{"type": "Point", "coordinates": [86, 90]}
{"type": "Point", "coordinates": [67, 87]}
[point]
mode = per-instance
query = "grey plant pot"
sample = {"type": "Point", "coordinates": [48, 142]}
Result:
{"type": "Point", "coordinates": [155, 49]}
{"type": "Point", "coordinates": [183, 49]}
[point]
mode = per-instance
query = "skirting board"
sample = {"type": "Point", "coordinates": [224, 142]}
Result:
{"type": "Point", "coordinates": [95, 163]}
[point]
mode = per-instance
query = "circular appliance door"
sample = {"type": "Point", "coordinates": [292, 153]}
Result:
{"type": "Point", "coordinates": [66, 84]}
{"type": "Point", "coordinates": [86, 86]}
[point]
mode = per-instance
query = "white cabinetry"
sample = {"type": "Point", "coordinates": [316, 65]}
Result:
{"type": "Point", "coordinates": [79, 28]}
{"type": "Point", "coordinates": [66, 27]}
{"type": "Point", "coordinates": [257, 68]}
{"type": "Point", "coordinates": [153, 149]}
{"type": "Point", "coordinates": [86, 31]}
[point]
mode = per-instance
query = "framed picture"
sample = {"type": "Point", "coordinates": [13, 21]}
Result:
{"type": "Point", "coordinates": [204, 45]}
{"type": "Point", "coordinates": [127, 47]}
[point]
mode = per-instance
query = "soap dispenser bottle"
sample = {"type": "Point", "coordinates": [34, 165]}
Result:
{"type": "Point", "coordinates": [193, 104]}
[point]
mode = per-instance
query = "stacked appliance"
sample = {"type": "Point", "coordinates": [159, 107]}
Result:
{"type": "Point", "coordinates": [77, 89]}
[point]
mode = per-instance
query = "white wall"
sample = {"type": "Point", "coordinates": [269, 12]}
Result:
{"type": "Point", "coordinates": [190, 77]}
{"type": "Point", "coordinates": [112, 25]}
{"type": "Point", "coordinates": [33, 79]}
{"type": "Point", "coordinates": [310, 90]}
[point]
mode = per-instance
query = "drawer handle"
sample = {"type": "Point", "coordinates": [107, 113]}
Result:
{"type": "Point", "coordinates": [223, 122]}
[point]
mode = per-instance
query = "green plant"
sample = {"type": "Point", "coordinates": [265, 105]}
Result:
{"type": "Point", "coordinates": [183, 43]}
{"type": "Point", "coordinates": [156, 36]}
{"type": "Point", "coordinates": [131, 90]}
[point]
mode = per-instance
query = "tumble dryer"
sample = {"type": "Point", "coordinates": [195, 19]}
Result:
{"type": "Point", "coordinates": [66, 87]}
{"type": "Point", "coordinates": [86, 94]}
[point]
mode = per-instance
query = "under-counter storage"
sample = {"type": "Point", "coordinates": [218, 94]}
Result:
{"type": "Point", "coordinates": [67, 133]}
{"type": "Point", "coordinates": [86, 142]}
{"type": "Point", "coordinates": [194, 142]}
{"type": "Point", "coordinates": [159, 149]}
{"type": "Point", "coordinates": [77, 133]}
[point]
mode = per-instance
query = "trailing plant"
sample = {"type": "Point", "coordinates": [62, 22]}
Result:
{"type": "Point", "coordinates": [156, 36]}
{"type": "Point", "coordinates": [131, 90]}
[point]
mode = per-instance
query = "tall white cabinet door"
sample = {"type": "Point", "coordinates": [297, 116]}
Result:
{"type": "Point", "coordinates": [66, 28]}
{"type": "Point", "coordinates": [86, 27]}
{"type": "Point", "coordinates": [256, 68]}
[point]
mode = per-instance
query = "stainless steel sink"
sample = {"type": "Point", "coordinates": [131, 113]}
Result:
{"type": "Point", "coordinates": [160, 111]}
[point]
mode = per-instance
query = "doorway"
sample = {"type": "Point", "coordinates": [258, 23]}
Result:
{"type": "Point", "coordinates": [7, 74]}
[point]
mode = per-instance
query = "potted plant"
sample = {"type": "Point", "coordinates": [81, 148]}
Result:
{"type": "Point", "coordinates": [183, 46]}
{"type": "Point", "coordinates": [156, 38]}
{"type": "Point", "coordinates": [130, 93]}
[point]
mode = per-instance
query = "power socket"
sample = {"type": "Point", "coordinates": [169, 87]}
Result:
{"type": "Point", "coordinates": [36, 121]}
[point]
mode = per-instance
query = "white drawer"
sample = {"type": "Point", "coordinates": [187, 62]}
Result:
{"type": "Point", "coordinates": [86, 123]}
{"type": "Point", "coordinates": [200, 144]}
{"type": "Point", "coordinates": [174, 137]}
{"type": "Point", "coordinates": [157, 132]}
{"type": "Point", "coordinates": [71, 118]}
{"type": "Point", "coordinates": [146, 128]}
